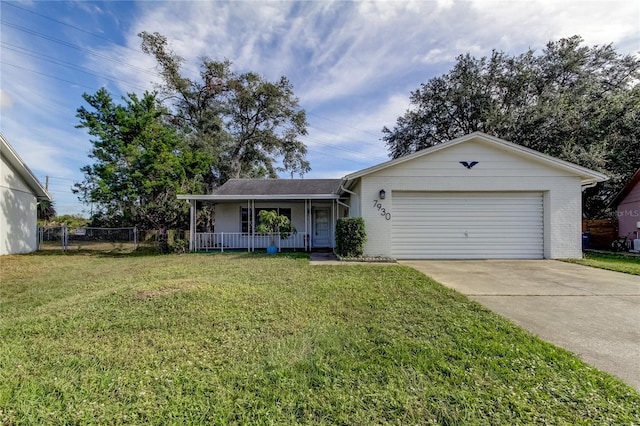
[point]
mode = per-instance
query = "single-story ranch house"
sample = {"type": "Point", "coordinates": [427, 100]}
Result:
{"type": "Point", "coordinates": [20, 191]}
{"type": "Point", "coordinates": [475, 197]}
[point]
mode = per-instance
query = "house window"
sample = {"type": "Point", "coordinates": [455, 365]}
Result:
{"type": "Point", "coordinates": [244, 220]}
{"type": "Point", "coordinates": [244, 216]}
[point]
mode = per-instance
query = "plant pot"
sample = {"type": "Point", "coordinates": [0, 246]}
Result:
{"type": "Point", "coordinates": [272, 249]}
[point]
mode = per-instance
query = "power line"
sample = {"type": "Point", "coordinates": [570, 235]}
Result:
{"type": "Point", "coordinates": [113, 79]}
{"type": "Point", "coordinates": [48, 75]}
{"type": "Point", "coordinates": [72, 26]}
{"type": "Point", "coordinates": [343, 124]}
{"type": "Point", "coordinates": [37, 34]}
{"type": "Point", "coordinates": [304, 137]}
{"type": "Point", "coordinates": [338, 134]}
{"type": "Point", "coordinates": [351, 151]}
{"type": "Point", "coordinates": [336, 156]}
{"type": "Point", "coordinates": [138, 51]}
{"type": "Point", "coordinates": [65, 64]}
{"type": "Point", "coordinates": [75, 46]}
{"type": "Point", "coordinates": [61, 178]}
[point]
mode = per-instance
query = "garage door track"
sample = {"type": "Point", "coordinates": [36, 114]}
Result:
{"type": "Point", "coordinates": [591, 312]}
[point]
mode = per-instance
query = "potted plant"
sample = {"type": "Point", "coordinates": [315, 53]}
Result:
{"type": "Point", "coordinates": [270, 222]}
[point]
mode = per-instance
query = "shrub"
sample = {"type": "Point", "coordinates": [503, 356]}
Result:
{"type": "Point", "coordinates": [350, 236]}
{"type": "Point", "coordinates": [271, 223]}
{"type": "Point", "coordinates": [180, 246]}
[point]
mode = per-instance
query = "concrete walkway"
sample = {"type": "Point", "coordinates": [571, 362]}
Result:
{"type": "Point", "coordinates": [591, 312]}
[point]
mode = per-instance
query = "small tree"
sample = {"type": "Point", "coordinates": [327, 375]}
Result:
{"type": "Point", "coordinates": [139, 164]}
{"type": "Point", "coordinates": [270, 222]}
{"type": "Point", "coordinates": [350, 236]}
{"type": "Point", "coordinates": [46, 211]}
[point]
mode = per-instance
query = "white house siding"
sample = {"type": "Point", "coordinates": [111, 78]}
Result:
{"type": "Point", "coordinates": [355, 209]}
{"type": "Point", "coordinates": [497, 170]}
{"type": "Point", "coordinates": [18, 213]}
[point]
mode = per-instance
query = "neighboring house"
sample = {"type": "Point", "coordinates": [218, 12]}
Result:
{"type": "Point", "coordinates": [627, 204]}
{"type": "Point", "coordinates": [19, 195]}
{"type": "Point", "coordinates": [475, 197]}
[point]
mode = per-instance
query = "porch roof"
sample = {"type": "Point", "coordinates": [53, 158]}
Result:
{"type": "Point", "coordinates": [215, 197]}
{"type": "Point", "coordinates": [272, 189]}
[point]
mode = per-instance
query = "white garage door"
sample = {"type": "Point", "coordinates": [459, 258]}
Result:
{"type": "Point", "coordinates": [467, 225]}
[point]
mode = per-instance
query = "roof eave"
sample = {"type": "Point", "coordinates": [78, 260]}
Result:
{"type": "Point", "coordinates": [23, 170]}
{"type": "Point", "coordinates": [275, 197]}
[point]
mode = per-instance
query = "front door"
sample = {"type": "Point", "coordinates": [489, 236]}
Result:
{"type": "Point", "coordinates": [321, 228]}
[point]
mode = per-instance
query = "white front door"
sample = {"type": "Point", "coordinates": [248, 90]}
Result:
{"type": "Point", "coordinates": [321, 228]}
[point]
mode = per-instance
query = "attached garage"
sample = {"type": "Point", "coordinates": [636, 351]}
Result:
{"type": "Point", "coordinates": [475, 197]}
{"type": "Point", "coordinates": [468, 225]}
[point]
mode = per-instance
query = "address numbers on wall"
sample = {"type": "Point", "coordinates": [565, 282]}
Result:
{"type": "Point", "coordinates": [383, 212]}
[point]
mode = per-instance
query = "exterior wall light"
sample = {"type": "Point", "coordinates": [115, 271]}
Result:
{"type": "Point", "coordinates": [382, 194]}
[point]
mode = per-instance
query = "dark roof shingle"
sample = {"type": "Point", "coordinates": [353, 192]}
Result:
{"type": "Point", "coordinates": [279, 187]}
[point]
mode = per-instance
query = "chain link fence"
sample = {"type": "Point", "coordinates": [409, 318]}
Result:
{"type": "Point", "coordinates": [87, 238]}
{"type": "Point", "coordinates": [106, 239]}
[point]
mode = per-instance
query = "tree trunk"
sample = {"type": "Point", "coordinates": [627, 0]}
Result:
{"type": "Point", "coordinates": [163, 239]}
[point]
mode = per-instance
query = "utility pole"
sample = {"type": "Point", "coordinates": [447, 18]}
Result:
{"type": "Point", "coordinates": [46, 183]}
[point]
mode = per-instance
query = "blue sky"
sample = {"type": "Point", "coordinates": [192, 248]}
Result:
{"type": "Point", "coordinates": [352, 64]}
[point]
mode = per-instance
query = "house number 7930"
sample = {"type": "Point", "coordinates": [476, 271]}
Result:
{"type": "Point", "coordinates": [382, 210]}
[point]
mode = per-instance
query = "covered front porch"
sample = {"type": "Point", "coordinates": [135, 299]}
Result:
{"type": "Point", "coordinates": [236, 218]}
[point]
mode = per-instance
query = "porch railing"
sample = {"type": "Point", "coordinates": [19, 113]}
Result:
{"type": "Point", "coordinates": [222, 241]}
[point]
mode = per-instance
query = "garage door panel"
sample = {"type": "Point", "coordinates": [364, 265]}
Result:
{"type": "Point", "coordinates": [473, 225]}
{"type": "Point", "coordinates": [517, 221]}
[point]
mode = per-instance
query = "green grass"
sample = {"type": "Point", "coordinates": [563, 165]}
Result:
{"type": "Point", "coordinates": [613, 262]}
{"type": "Point", "coordinates": [253, 339]}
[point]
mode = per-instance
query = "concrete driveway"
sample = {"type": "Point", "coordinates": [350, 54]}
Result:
{"type": "Point", "coordinates": [591, 312]}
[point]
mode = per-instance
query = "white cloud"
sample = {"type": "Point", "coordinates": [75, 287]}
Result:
{"type": "Point", "coordinates": [536, 22]}
{"type": "Point", "coordinates": [5, 99]}
{"type": "Point", "coordinates": [357, 137]}
{"type": "Point", "coordinates": [436, 55]}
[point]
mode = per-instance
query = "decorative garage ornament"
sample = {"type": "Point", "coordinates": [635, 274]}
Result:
{"type": "Point", "coordinates": [468, 165]}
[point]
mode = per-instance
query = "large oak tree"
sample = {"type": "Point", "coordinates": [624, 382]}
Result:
{"type": "Point", "coordinates": [579, 103]}
{"type": "Point", "coordinates": [249, 125]}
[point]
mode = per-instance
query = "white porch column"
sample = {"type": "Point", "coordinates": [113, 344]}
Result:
{"type": "Point", "coordinates": [192, 225]}
{"type": "Point", "coordinates": [334, 217]}
{"type": "Point", "coordinates": [253, 225]}
{"type": "Point", "coordinates": [306, 231]}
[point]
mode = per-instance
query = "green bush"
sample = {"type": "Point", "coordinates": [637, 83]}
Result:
{"type": "Point", "coordinates": [179, 246]}
{"type": "Point", "coordinates": [350, 236]}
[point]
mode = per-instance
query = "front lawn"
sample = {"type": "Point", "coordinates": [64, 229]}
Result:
{"type": "Point", "coordinates": [252, 339]}
{"type": "Point", "coordinates": [613, 262]}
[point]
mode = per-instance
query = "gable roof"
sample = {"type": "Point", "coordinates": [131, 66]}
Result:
{"type": "Point", "coordinates": [272, 189]}
{"type": "Point", "coordinates": [635, 180]}
{"type": "Point", "coordinates": [22, 170]}
{"type": "Point", "coordinates": [588, 176]}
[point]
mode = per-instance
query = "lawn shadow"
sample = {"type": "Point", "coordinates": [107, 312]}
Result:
{"type": "Point", "coordinates": [152, 251]}
{"type": "Point", "coordinates": [116, 253]}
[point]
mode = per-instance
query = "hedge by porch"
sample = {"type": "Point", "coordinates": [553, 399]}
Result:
{"type": "Point", "coordinates": [350, 236]}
